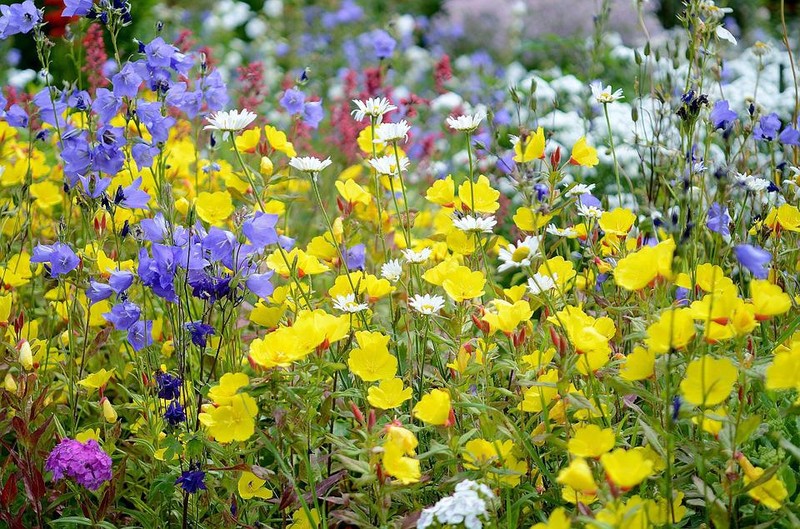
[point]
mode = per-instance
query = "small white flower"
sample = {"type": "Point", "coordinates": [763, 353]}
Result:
{"type": "Point", "coordinates": [309, 164]}
{"type": "Point", "coordinates": [389, 132]}
{"type": "Point", "coordinates": [426, 304]}
{"type": "Point", "coordinates": [232, 121]}
{"type": "Point", "coordinates": [751, 183]}
{"type": "Point", "coordinates": [348, 303]}
{"type": "Point", "coordinates": [724, 34]}
{"type": "Point", "coordinates": [552, 229]}
{"type": "Point", "coordinates": [475, 224]}
{"type": "Point", "coordinates": [387, 165]}
{"type": "Point", "coordinates": [417, 257]}
{"type": "Point", "coordinates": [760, 49]}
{"type": "Point", "coordinates": [466, 123]}
{"type": "Point", "coordinates": [392, 270]}
{"type": "Point", "coordinates": [605, 95]}
{"type": "Point", "coordinates": [580, 189]}
{"type": "Point", "coordinates": [590, 212]}
{"type": "Point", "coordinates": [539, 283]}
{"type": "Point", "coordinates": [519, 254]}
{"type": "Point", "coordinates": [374, 107]}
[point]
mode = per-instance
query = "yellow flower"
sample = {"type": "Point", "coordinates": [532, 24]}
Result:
{"type": "Point", "coordinates": [437, 274]}
{"type": "Point", "coordinates": [404, 469]}
{"type": "Point", "coordinates": [708, 381]}
{"type": "Point", "coordinates": [583, 154]}
{"type": "Point", "coordinates": [463, 284]}
{"type": "Point", "coordinates": [371, 361]}
{"type": "Point", "coordinates": [388, 394]}
{"type": "Point", "coordinates": [481, 195]}
{"type": "Point", "coordinates": [561, 270]}
{"type": "Point", "coordinates": [279, 348]}
{"type": "Point", "coordinates": [673, 330]}
{"type": "Point", "coordinates": [277, 140]}
{"type": "Point", "coordinates": [712, 421]}
{"type": "Point", "coordinates": [47, 194]}
{"type": "Point", "coordinates": [304, 264]}
{"type": "Point", "coordinates": [578, 476]}
{"type": "Point", "coordinates": [639, 365]}
{"type": "Point", "coordinates": [96, 380]}
{"type": "Point", "coordinates": [531, 148]}
{"type": "Point", "coordinates": [232, 422]}
{"type": "Point", "coordinates": [539, 359]}
{"type": "Point", "coordinates": [5, 306]}
{"type": "Point", "coordinates": [87, 434]}
{"type": "Point", "coordinates": [639, 269]}
{"type": "Point", "coordinates": [591, 441]}
{"type": "Point", "coordinates": [248, 140]}
{"type": "Point", "coordinates": [109, 413]}
{"type": "Point", "coordinates": [770, 493]}
{"type": "Point", "coordinates": [251, 486]}
{"type": "Point", "coordinates": [434, 408]}
{"type": "Point", "coordinates": [768, 299]}
{"type": "Point", "coordinates": [504, 316]}
{"type": "Point", "coordinates": [617, 222]}
{"type": "Point", "coordinates": [527, 220]}
{"type": "Point", "coordinates": [558, 520]}
{"type": "Point", "coordinates": [626, 468]}
{"type": "Point", "coordinates": [784, 371]}
{"type": "Point", "coordinates": [214, 208]}
{"type": "Point", "coordinates": [480, 454]}
{"type": "Point", "coordinates": [301, 520]}
{"type": "Point", "coordinates": [786, 217]}
{"type": "Point", "coordinates": [229, 384]}
{"type": "Point", "coordinates": [353, 193]}
{"type": "Point", "coordinates": [537, 397]}
{"type": "Point", "coordinates": [442, 192]}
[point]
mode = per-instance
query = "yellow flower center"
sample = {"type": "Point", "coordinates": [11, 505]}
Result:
{"type": "Point", "coordinates": [520, 254]}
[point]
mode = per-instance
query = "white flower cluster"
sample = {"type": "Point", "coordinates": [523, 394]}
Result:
{"type": "Point", "coordinates": [469, 505]}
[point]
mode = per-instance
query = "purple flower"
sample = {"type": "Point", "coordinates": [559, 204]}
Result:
{"type": "Point", "coordinates": [174, 414]}
{"type": "Point", "coordinates": [199, 332]}
{"type": "Point", "coordinates": [86, 463]}
{"type": "Point", "coordinates": [154, 229]}
{"type": "Point", "coordinates": [120, 280]}
{"type": "Point", "coordinates": [93, 185]}
{"type": "Point", "coordinates": [191, 480]}
{"type": "Point", "coordinates": [718, 219]}
{"type": "Point", "coordinates": [140, 334]}
{"type": "Point", "coordinates": [382, 43]}
{"type": "Point", "coordinates": [293, 101]}
{"type": "Point", "coordinates": [356, 257]}
{"type": "Point", "coordinates": [59, 256]}
{"type": "Point", "coordinates": [123, 315]}
{"type": "Point", "coordinates": [79, 8]}
{"type": "Point", "coordinates": [169, 386]}
{"type": "Point", "coordinates": [260, 285]}
{"type": "Point", "coordinates": [98, 292]}
{"type": "Point", "coordinates": [767, 128]}
{"type": "Point", "coordinates": [722, 117]}
{"type": "Point", "coordinates": [159, 53]}
{"type": "Point", "coordinates": [18, 18]}
{"type": "Point", "coordinates": [791, 135]}
{"type": "Point", "coordinates": [754, 259]}
{"type": "Point", "coordinates": [106, 104]}
{"type": "Point", "coordinates": [215, 92]}
{"type": "Point", "coordinates": [260, 229]}
{"type": "Point", "coordinates": [127, 81]}
{"type": "Point", "coordinates": [131, 196]}
{"type": "Point", "coordinates": [313, 113]}
{"type": "Point", "coordinates": [17, 117]}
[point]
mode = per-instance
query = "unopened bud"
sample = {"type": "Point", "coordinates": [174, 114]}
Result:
{"type": "Point", "coordinates": [109, 412]}
{"type": "Point", "coordinates": [26, 355]}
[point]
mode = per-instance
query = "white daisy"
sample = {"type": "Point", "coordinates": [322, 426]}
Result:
{"type": "Point", "coordinates": [552, 229]}
{"type": "Point", "coordinates": [519, 254]}
{"type": "Point", "coordinates": [309, 164]}
{"type": "Point", "coordinates": [390, 132]}
{"type": "Point", "coordinates": [751, 183]}
{"type": "Point", "coordinates": [591, 212]}
{"type": "Point", "coordinates": [605, 95]}
{"type": "Point", "coordinates": [387, 165]}
{"type": "Point", "coordinates": [426, 304]}
{"type": "Point", "coordinates": [348, 303]}
{"type": "Point", "coordinates": [374, 107]}
{"type": "Point", "coordinates": [466, 123]}
{"type": "Point", "coordinates": [392, 270]}
{"type": "Point", "coordinates": [231, 121]}
{"type": "Point", "coordinates": [539, 283]}
{"type": "Point", "coordinates": [417, 257]}
{"type": "Point", "coordinates": [579, 189]}
{"type": "Point", "coordinates": [475, 224]}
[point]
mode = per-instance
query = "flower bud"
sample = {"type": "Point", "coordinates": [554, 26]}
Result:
{"type": "Point", "coordinates": [26, 355]}
{"type": "Point", "coordinates": [266, 168]}
{"type": "Point", "coordinates": [10, 384]}
{"type": "Point", "coordinates": [109, 412]}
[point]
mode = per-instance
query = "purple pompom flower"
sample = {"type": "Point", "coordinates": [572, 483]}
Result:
{"type": "Point", "coordinates": [86, 463]}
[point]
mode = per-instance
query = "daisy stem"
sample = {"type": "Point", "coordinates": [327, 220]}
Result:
{"type": "Point", "coordinates": [407, 222]}
{"type": "Point", "coordinates": [613, 155]}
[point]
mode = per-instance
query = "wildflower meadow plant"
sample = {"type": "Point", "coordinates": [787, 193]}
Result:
{"type": "Point", "coordinates": [306, 265]}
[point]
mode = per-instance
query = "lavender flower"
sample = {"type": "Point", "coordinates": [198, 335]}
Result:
{"type": "Point", "coordinates": [754, 259]}
{"type": "Point", "coordinates": [722, 117]}
{"type": "Point", "coordinates": [767, 128]}
{"type": "Point", "coordinates": [140, 334]}
{"type": "Point", "coordinates": [199, 332]}
{"type": "Point", "coordinates": [718, 219]}
{"type": "Point", "coordinates": [79, 8]}
{"type": "Point", "coordinates": [59, 256]}
{"type": "Point", "coordinates": [169, 386]}
{"type": "Point", "coordinates": [175, 413]}
{"type": "Point", "coordinates": [383, 44]}
{"type": "Point", "coordinates": [86, 463]}
{"type": "Point", "coordinates": [192, 480]}
{"type": "Point", "coordinates": [293, 101]}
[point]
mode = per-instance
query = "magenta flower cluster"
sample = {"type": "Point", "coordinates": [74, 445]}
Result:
{"type": "Point", "coordinates": [86, 463]}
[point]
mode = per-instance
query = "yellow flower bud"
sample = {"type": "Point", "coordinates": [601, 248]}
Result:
{"type": "Point", "coordinates": [26, 355]}
{"type": "Point", "coordinates": [10, 384]}
{"type": "Point", "coordinates": [266, 168]}
{"type": "Point", "coordinates": [109, 412]}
